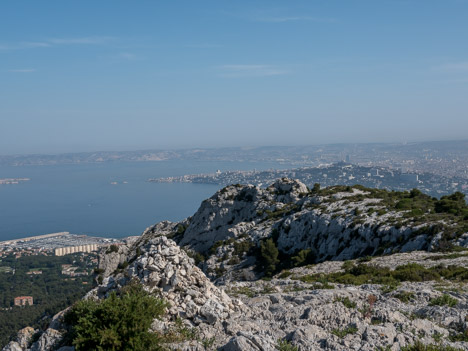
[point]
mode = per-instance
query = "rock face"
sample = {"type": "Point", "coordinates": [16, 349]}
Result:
{"type": "Point", "coordinates": [109, 259]}
{"type": "Point", "coordinates": [48, 340]}
{"type": "Point", "coordinates": [23, 339]}
{"type": "Point", "coordinates": [166, 270]}
{"type": "Point", "coordinates": [334, 225]}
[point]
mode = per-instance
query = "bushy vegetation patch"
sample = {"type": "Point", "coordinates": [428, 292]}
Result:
{"type": "Point", "coordinates": [284, 345]}
{"type": "Point", "coordinates": [197, 256]}
{"type": "Point", "coordinates": [242, 290]}
{"type": "Point", "coordinates": [302, 258]}
{"type": "Point", "coordinates": [404, 296]}
{"type": "Point", "coordinates": [269, 256]}
{"type": "Point", "coordinates": [444, 300]}
{"type": "Point", "coordinates": [112, 248]}
{"type": "Point", "coordinates": [450, 256]}
{"type": "Point", "coordinates": [341, 333]}
{"type": "Point", "coordinates": [346, 302]}
{"type": "Point", "coordinates": [373, 274]}
{"type": "Point", "coordinates": [419, 346]}
{"type": "Point", "coordinates": [120, 322]}
{"type": "Point", "coordinates": [281, 212]}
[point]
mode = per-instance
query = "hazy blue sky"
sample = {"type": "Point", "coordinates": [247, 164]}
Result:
{"type": "Point", "coordinates": [115, 75]}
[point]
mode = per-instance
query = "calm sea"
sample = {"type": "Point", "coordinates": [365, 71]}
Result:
{"type": "Point", "coordinates": [80, 199]}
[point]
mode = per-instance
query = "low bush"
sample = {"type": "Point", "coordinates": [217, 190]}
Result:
{"type": "Point", "coordinates": [419, 346]}
{"type": "Point", "coordinates": [373, 274]}
{"type": "Point", "coordinates": [341, 333]}
{"type": "Point", "coordinates": [112, 248]}
{"type": "Point", "coordinates": [284, 345]}
{"type": "Point", "coordinates": [444, 300]}
{"type": "Point", "coordinates": [404, 296]}
{"type": "Point", "coordinates": [120, 322]}
{"type": "Point", "coordinates": [346, 302]}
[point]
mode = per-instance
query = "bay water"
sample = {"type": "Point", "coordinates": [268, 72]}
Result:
{"type": "Point", "coordinates": [103, 199]}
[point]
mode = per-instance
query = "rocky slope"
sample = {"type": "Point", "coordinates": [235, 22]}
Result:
{"type": "Point", "coordinates": [337, 223]}
{"type": "Point", "coordinates": [384, 303]}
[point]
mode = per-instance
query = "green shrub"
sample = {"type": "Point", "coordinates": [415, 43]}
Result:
{"type": "Point", "coordinates": [284, 345]}
{"type": "Point", "coordinates": [381, 212]}
{"type": "Point", "coordinates": [419, 346]}
{"type": "Point", "coordinates": [242, 247]}
{"type": "Point", "coordinates": [217, 244]}
{"type": "Point", "coordinates": [316, 188]}
{"type": "Point", "coordinates": [404, 296]}
{"type": "Point", "coordinates": [453, 204]}
{"type": "Point", "coordinates": [197, 257]}
{"type": "Point", "coordinates": [123, 265]}
{"type": "Point", "coordinates": [181, 229]}
{"type": "Point", "coordinates": [444, 300]}
{"type": "Point", "coordinates": [243, 290]}
{"type": "Point", "coordinates": [373, 274]}
{"type": "Point", "coordinates": [347, 265]}
{"type": "Point", "coordinates": [269, 256]}
{"type": "Point", "coordinates": [452, 272]}
{"type": "Point", "coordinates": [98, 270]}
{"type": "Point", "coordinates": [414, 272]}
{"type": "Point", "coordinates": [285, 274]}
{"type": "Point", "coordinates": [343, 332]}
{"type": "Point", "coordinates": [303, 258]}
{"type": "Point", "coordinates": [179, 332]}
{"type": "Point", "coordinates": [120, 322]}
{"type": "Point", "coordinates": [461, 336]}
{"type": "Point", "coordinates": [233, 261]}
{"type": "Point", "coordinates": [112, 248]}
{"type": "Point", "coordinates": [346, 302]}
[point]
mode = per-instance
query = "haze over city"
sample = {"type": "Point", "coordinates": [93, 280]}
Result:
{"type": "Point", "coordinates": [117, 75]}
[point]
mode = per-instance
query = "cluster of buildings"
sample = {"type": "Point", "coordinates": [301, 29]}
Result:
{"type": "Point", "coordinates": [61, 251]}
{"type": "Point", "coordinates": [341, 173]}
{"type": "Point", "coordinates": [70, 270]}
{"type": "Point", "coordinates": [58, 244]}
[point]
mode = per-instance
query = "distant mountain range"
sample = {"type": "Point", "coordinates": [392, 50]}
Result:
{"type": "Point", "coordinates": [448, 158]}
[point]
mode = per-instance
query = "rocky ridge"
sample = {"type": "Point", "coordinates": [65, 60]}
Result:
{"type": "Point", "coordinates": [303, 306]}
{"type": "Point", "coordinates": [337, 223]}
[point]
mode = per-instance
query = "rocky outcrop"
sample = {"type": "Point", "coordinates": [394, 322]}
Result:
{"type": "Point", "coordinates": [23, 339]}
{"type": "Point", "coordinates": [48, 340]}
{"type": "Point", "coordinates": [336, 224]}
{"type": "Point", "coordinates": [111, 257]}
{"type": "Point", "coordinates": [165, 270]}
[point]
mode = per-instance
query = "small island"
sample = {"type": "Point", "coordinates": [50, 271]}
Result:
{"type": "Point", "coordinates": [13, 180]}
